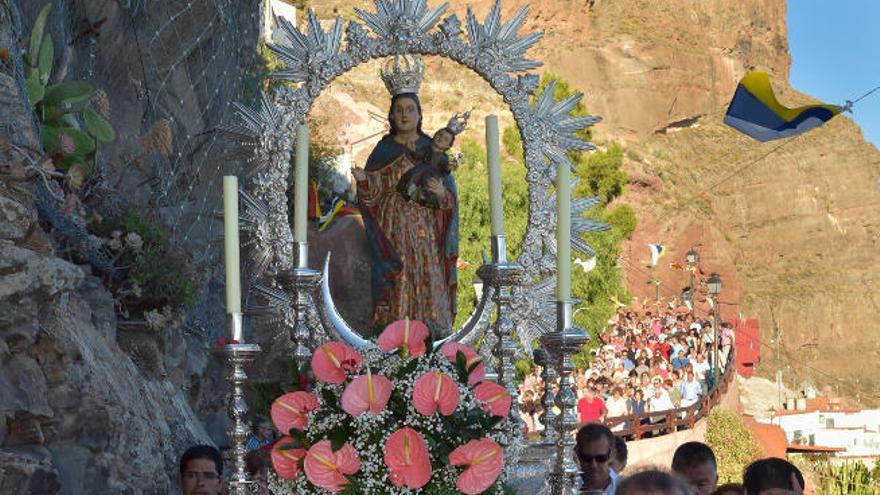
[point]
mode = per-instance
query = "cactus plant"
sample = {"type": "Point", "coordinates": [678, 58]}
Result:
{"type": "Point", "coordinates": [71, 128]}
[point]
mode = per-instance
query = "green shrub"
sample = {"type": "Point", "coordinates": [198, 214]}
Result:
{"type": "Point", "coordinates": [733, 444]}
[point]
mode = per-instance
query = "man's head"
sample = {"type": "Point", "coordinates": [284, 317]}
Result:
{"type": "Point", "coordinates": [443, 139]}
{"type": "Point", "coordinates": [695, 462]}
{"type": "Point", "coordinates": [621, 454]}
{"type": "Point", "coordinates": [200, 470]}
{"type": "Point", "coordinates": [772, 476]}
{"type": "Point", "coordinates": [594, 449]}
{"type": "Point", "coordinates": [652, 482]}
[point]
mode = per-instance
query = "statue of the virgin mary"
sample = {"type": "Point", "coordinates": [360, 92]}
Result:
{"type": "Point", "coordinates": [414, 247]}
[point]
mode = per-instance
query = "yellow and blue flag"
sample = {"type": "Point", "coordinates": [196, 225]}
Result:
{"type": "Point", "coordinates": [754, 111]}
{"type": "Point", "coordinates": [657, 252]}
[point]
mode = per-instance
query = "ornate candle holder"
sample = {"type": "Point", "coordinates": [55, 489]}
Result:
{"type": "Point", "coordinates": [561, 344]}
{"type": "Point", "coordinates": [302, 282]}
{"type": "Point", "coordinates": [503, 276]}
{"type": "Point", "coordinates": [548, 398]}
{"type": "Point", "coordinates": [236, 357]}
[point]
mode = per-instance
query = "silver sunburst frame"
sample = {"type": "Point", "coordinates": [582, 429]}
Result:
{"type": "Point", "coordinates": [493, 49]}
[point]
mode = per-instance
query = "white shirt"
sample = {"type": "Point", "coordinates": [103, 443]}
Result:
{"type": "Point", "coordinates": [662, 403]}
{"type": "Point", "coordinates": [612, 486]}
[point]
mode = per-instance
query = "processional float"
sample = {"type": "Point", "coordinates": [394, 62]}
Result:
{"type": "Point", "coordinates": [520, 294]}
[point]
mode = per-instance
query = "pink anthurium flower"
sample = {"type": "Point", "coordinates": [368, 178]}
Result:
{"type": "Point", "coordinates": [406, 456]}
{"type": "Point", "coordinates": [366, 393]}
{"type": "Point", "coordinates": [435, 390]}
{"type": "Point", "coordinates": [404, 334]}
{"type": "Point", "coordinates": [327, 469]}
{"type": "Point", "coordinates": [451, 350]}
{"type": "Point", "coordinates": [483, 460]}
{"type": "Point", "coordinates": [332, 360]}
{"type": "Point", "coordinates": [287, 461]}
{"type": "Point", "coordinates": [495, 398]}
{"type": "Point", "coordinates": [290, 410]}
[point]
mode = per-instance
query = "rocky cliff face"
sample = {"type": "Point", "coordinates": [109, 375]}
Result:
{"type": "Point", "coordinates": [87, 405]}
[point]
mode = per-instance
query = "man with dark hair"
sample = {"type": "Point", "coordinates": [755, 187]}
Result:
{"type": "Point", "coordinates": [773, 476]}
{"type": "Point", "coordinates": [653, 482]}
{"type": "Point", "coordinates": [200, 470]}
{"type": "Point", "coordinates": [594, 450]}
{"type": "Point", "coordinates": [695, 463]}
{"type": "Point", "coordinates": [621, 454]}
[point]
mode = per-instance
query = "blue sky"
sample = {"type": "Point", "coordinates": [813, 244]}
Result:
{"type": "Point", "coordinates": [835, 55]}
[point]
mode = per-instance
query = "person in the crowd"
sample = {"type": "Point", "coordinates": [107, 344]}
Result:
{"type": "Point", "coordinates": [201, 469]}
{"type": "Point", "coordinates": [660, 400]}
{"type": "Point", "coordinates": [257, 463]}
{"type": "Point", "coordinates": [621, 455]}
{"type": "Point", "coordinates": [691, 390]}
{"type": "Point", "coordinates": [591, 407]}
{"type": "Point", "coordinates": [617, 406]}
{"type": "Point", "coordinates": [695, 463]}
{"type": "Point", "coordinates": [652, 482]}
{"type": "Point", "coordinates": [730, 489]}
{"type": "Point", "coordinates": [262, 435]}
{"type": "Point", "coordinates": [773, 476]}
{"type": "Point", "coordinates": [594, 449]}
{"type": "Point", "coordinates": [680, 361]}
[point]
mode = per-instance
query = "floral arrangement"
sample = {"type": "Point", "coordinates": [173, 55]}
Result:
{"type": "Point", "coordinates": [395, 418]}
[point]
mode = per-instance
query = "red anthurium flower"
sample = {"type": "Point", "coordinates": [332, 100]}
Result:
{"type": "Point", "coordinates": [366, 393]}
{"type": "Point", "coordinates": [451, 350]}
{"type": "Point", "coordinates": [406, 456]}
{"type": "Point", "coordinates": [332, 360]}
{"type": "Point", "coordinates": [404, 334]}
{"type": "Point", "coordinates": [435, 390]}
{"type": "Point", "coordinates": [289, 410]}
{"type": "Point", "coordinates": [287, 461]}
{"type": "Point", "coordinates": [327, 469]}
{"type": "Point", "coordinates": [495, 398]}
{"type": "Point", "coordinates": [483, 460]}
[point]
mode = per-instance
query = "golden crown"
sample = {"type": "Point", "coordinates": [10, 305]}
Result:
{"type": "Point", "coordinates": [403, 74]}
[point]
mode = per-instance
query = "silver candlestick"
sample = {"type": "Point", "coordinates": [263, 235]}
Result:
{"type": "Point", "coordinates": [302, 281]}
{"type": "Point", "coordinates": [548, 398]}
{"type": "Point", "coordinates": [565, 341]}
{"type": "Point", "coordinates": [236, 357]}
{"type": "Point", "coordinates": [503, 276]}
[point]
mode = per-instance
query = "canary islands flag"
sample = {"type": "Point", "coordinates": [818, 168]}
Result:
{"type": "Point", "coordinates": [657, 252]}
{"type": "Point", "coordinates": [754, 111]}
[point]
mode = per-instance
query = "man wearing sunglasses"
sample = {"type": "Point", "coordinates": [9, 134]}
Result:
{"type": "Point", "coordinates": [594, 450]}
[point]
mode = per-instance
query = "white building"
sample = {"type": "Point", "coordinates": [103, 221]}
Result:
{"type": "Point", "coordinates": [844, 433]}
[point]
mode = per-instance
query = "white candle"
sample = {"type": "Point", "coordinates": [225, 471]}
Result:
{"type": "Point", "coordinates": [493, 155]}
{"type": "Point", "coordinates": [230, 243]}
{"type": "Point", "coordinates": [563, 232]}
{"type": "Point", "coordinates": [301, 184]}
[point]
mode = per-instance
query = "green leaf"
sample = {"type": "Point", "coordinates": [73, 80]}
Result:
{"type": "Point", "coordinates": [98, 125]}
{"type": "Point", "coordinates": [65, 163]}
{"type": "Point", "coordinates": [68, 92]}
{"type": "Point", "coordinates": [37, 35]}
{"type": "Point", "coordinates": [35, 89]}
{"type": "Point", "coordinates": [329, 399]}
{"type": "Point", "coordinates": [47, 56]}
{"type": "Point", "coordinates": [338, 437]}
{"type": "Point", "coordinates": [84, 144]}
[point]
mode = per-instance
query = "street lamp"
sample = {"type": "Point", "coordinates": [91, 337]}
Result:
{"type": "Point", "coordinates": [713, 284]}
{"type": "Point", "coordinates": [692, 258]}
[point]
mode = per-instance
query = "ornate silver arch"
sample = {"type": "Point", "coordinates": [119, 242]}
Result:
{"type": "Point", "coordinates": [494, 50]}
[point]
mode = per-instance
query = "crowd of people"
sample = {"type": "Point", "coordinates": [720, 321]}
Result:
{"type": "Point", "coordinates": [648, 361]}
{"type": "Point", "coordinates": [602, 457]}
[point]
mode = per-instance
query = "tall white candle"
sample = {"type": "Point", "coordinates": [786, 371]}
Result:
{"type": "Point", "coordinates": [563, 232]}
{"type": "Point", "coordinates": [301, 184]}
{"type": "Point", "coordinates": [493, 155]}
{"type": "Point", "coordinates": [230, 244]}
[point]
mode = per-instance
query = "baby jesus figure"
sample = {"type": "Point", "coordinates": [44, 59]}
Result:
{"type": "Point", "coordinates": [424, 183]}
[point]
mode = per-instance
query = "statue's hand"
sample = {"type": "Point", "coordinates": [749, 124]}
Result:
{"type": "Point", "coordinates": [437, 189]}
{"type": "Point", "coordinates": [358, 174]}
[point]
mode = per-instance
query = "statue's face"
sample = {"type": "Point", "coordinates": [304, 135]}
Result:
{"type": "Point", "coordinates": [405, 115]}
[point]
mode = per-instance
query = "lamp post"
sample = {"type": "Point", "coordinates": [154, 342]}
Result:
{"type": "Point", "coordinates": [692, 258]}
{"type": "Point", "coordinates": [713, 283]}
{"type": "Point", "coordinates": [688, 299]}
